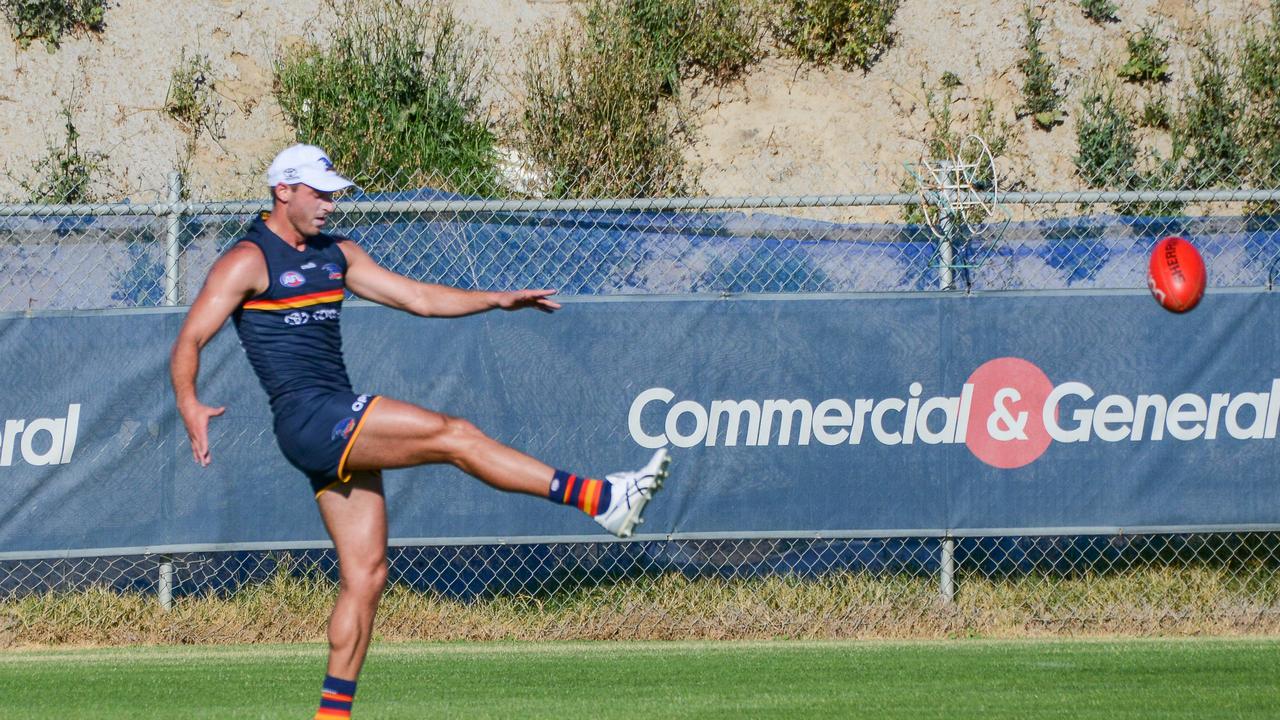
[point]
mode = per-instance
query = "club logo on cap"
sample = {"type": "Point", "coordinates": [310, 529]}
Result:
{"type": "Point", "coordinates": [308, 165]}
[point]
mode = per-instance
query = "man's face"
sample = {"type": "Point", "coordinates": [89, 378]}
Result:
{"type": "Point", "coordinates": [306, 208]}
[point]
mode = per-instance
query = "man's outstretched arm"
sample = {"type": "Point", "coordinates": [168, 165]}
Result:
{"type": "Point", "coordinates": [235, 277]}
{"type": "Point", "coordinates": [373, 282]}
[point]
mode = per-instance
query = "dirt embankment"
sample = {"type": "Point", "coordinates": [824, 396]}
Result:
{"type": "Point", "coordinates": [783, 129]}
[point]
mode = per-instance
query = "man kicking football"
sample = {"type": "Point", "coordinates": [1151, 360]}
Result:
{"type": "Point", "coordinates": [283, 286]}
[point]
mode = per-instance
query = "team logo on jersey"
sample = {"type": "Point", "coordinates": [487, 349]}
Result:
{"type": "Point", "coordinates": [292, 279]}
{"type": "Point", "coordinates": [343, 429]}
{"type": "Point", "coordinates": [335, 272]}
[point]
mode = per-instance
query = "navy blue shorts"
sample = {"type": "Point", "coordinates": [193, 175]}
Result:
{"type": "Point", "coordinates": [316, 433]}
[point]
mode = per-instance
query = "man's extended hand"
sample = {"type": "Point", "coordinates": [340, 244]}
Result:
{"type": "Point", "coordinates": [195, 416]}
{"type": "Point", "coordinates": [521, 299]}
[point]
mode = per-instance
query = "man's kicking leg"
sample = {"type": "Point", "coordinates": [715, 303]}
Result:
{"type": "Point", "coordinates": [356, 516]}
{"type": "Point", "coordinates": [398, 434]}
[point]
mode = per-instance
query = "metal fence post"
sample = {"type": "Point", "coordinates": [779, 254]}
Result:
{"type": "Point", "coordinates": [172, 248]}
{"type": "Point", "coordinates": [947, 571]}
{"type": "Point", "coordinates": [172, 256]}
{"type": "Point", "coordinates": [946, 251]}
{"type": "Point", "coordinates": [946, 281]}
{"type": "Point", "coordinates": [164, 587]}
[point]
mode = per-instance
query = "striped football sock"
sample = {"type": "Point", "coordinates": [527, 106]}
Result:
{"type": "Point", "coordinates": [588, 495]}
{"type": "Point", "coordinates": [336, 699]}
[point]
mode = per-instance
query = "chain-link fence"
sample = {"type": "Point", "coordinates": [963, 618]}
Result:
{"type": "Point", "coordinates": [155, 253]}
{"type": "Point", "coordinates": [731, 588]}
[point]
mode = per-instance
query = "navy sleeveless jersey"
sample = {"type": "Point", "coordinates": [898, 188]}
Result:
{"type": "Point", "coordinates": [292, 331]}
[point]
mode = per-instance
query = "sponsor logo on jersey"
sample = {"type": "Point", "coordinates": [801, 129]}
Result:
{"type": "Point", "coordinates": [292, 278]}
{"type": "Point", "coordinates": [296, 318]}
{"type": "Point", "coordinates": [308, 266]}
{"type": "Point", "coordinates": [359, 404]}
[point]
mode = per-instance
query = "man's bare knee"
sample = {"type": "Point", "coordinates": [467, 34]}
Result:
{"type": "Point", "coordinates": [459, 437]}
{"type": "Point", "coordinates": [367, 580]}
{"type": "Point", "coordinates": [378, 579]}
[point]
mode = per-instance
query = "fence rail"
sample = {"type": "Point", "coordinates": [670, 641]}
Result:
{"type": "Point", "coordinates": [245, 207]}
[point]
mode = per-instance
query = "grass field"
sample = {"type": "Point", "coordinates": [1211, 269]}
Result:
{"type": "Point", "coordinates": [1186, 678]}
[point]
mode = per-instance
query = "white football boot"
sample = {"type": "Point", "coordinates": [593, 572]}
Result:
{"type": "Point", "coordinates": [630, 492]}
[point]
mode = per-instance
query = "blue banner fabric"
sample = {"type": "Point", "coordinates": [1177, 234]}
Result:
{"type": "Point", "coordinates": [784, 414]}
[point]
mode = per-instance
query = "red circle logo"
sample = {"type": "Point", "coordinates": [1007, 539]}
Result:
{"type": "Point", "coordinates": [1006, 421]}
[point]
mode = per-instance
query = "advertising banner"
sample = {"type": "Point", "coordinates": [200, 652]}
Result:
{"type": "Point", "coordinates": [920, 414]}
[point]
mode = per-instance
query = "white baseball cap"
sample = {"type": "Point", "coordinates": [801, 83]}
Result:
{"type": "Point", "coordinates": [306, 164]}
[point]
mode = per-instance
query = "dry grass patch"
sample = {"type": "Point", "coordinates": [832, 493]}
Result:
{"type": "Point", "coordinates": [288, 608]}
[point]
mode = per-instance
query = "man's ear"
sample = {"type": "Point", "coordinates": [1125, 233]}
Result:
{"type": "Point", "coordinates": [280, 193]}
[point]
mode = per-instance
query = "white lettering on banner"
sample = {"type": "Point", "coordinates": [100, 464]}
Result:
{"type": "Point", "coordinates": [786, 410]}
{"type": "Point", "coordinates": [832, 422]}
{"type": "Point", "coordinates": [653, 442]}
{"type": "Point", "coordinates": [1071, 412]}
{"type": "Point", "coordinates": [43, 441]}
{"type": "Point", "coordinates": [1247, 416]}
{"type": "Point", "coordinates": [699, 415]}
{"type": "Point", "coordinates": [888, 405]}
{"type": "Point", "coordinates": [951, 420]}
{"type": "Point", "coordinates": [1002, 424]}
{"type": "Point", "coordinates": [733, 412]}
{"type": "Point", "coordinates": [822, 421]}
{"type": "Point", "coordinates": [1050, 415]}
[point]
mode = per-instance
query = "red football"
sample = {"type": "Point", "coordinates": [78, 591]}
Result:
{"type": "Point", "coordinates": [1176, 276]}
